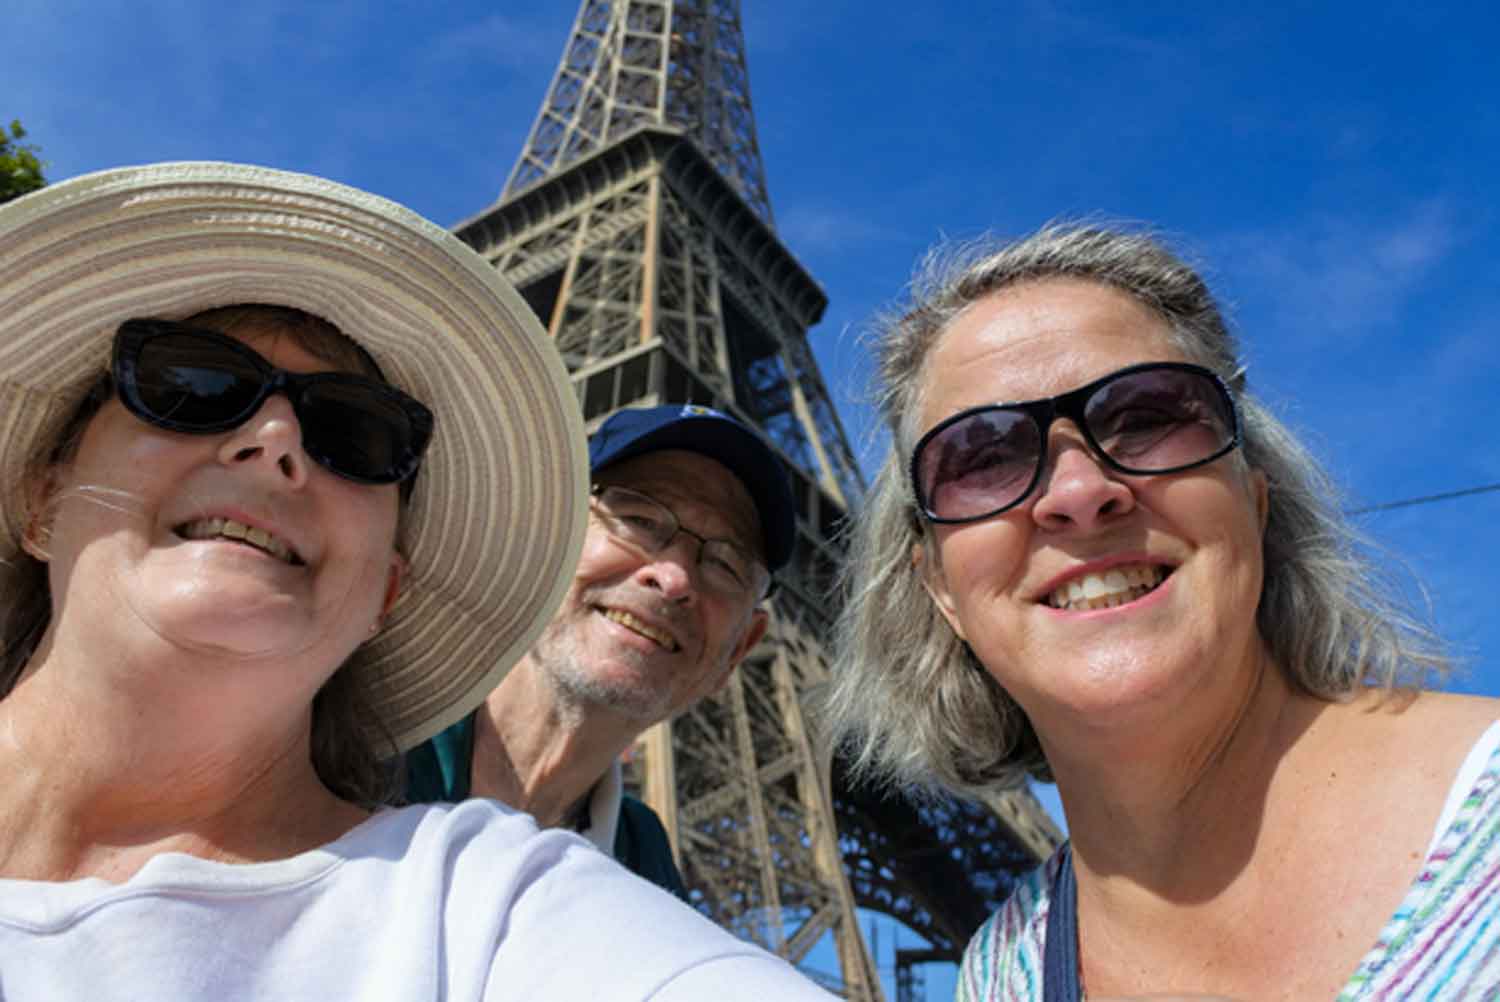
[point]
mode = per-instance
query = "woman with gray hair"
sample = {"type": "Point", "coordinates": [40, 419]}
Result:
{"type": "Point", "coordinates": [1094, 558]}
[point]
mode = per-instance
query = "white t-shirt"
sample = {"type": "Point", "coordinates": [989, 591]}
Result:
{"type": "Point", "coordinates": [455, 902]}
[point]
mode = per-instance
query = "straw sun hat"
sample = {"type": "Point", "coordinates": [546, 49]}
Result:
{"type": "Point", "coordinates": [495, 525]}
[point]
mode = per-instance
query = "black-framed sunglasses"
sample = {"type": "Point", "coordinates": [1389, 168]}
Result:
{"type": "Point", "coordinates": [641, 521]}
{"type": "Point", "coordinates": [1157, 417]}
{"type": "Point", "coordinates": [201, 382]}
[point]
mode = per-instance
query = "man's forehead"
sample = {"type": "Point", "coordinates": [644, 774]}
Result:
{"type": "Point", "coordinates": [704, 493]}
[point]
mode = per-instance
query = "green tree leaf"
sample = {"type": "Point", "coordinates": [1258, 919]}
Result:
{"type": "Point", "coordinates": [20, 169]}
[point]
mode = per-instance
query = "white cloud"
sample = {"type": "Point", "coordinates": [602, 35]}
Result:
{"type": "Point", "coordinates": [1340, 277]}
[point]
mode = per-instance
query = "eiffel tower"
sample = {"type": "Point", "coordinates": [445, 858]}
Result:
{"type": "Point", "coordinates": [638, 226]}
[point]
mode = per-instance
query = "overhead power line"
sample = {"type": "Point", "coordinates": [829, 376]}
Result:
{"type": "Point", "coordinates": [1428, 499]}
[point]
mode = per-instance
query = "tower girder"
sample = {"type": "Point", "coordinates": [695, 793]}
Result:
{"type": "Point", "coordinates": [636, 224]}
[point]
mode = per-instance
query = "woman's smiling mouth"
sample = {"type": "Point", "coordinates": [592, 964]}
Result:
{"type": "Point", "coordinates": [1107, 589]}
{"type": "Point", "coordinates": [228, 528]}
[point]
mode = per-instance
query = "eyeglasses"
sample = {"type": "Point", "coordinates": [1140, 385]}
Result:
{"type": "Point", "coordinates": [1159, 417]}
{"type": "Point", "coordinates": [646, 524]}
{"type": "Point", "coordinates": [200, 382]}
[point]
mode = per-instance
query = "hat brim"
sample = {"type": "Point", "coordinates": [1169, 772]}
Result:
{"type": "Point", "coordinates": [495, 523]}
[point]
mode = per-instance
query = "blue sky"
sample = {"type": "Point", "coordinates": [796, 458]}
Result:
{"type": "Point", "coordinates": [1331, 166]}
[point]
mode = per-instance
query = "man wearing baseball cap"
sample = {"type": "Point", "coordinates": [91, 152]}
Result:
{"type": "Point", "coordinates": [690, 514]}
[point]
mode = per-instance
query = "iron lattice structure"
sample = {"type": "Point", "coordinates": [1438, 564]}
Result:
{"type": "Point", "coordinates": [637, 226]}
{"type": "Point", "coordinates": [650, 62]}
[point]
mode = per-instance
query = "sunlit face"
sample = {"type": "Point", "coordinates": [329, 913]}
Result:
{"type": "Point", "coordinates": [234, 544]}
{"type": "Point", "coordinates": [1101, 595]}
{"type": "Point", "coordinates": [640, 634]}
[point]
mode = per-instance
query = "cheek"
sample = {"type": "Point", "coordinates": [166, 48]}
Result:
{"type": "Point", "coordinates": [380, 523]}
{"type": "Point", "coordinates": [1249, 545]}
{"type": "Point", "coordinates": [601, 562]}
{"type": "Point", "coordinates": [362, 524]}
{"type": "Point", "coordinates": [122, 473]}
{"type": "Point", "coordinates": [1240, 507]}
{"type": "Point", "coordinates": [736, 622]}
{"type": "Point", "coordinates": [597, 549]}
{"type": "Point", "coordinates": [976, 570]}
{"type": "Point", "coordinates": [981, 560]}
{"type": "Point", "coordinates": [1223, 518]}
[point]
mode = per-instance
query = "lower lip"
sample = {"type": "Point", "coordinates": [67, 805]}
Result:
{"type": "Point", "coordinates": [244, 548]}
{"type": "Point", "coordinates": [1147, 600]}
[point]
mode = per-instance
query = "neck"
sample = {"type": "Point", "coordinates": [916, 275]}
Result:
{"type": "Point", "coordinates": [109, 766]}
{"type": "Point", "coordinates": [1165, 806]}
{"type": "Point", "coordinates": [539, 754]}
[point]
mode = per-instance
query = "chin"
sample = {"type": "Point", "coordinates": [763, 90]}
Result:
{"type": "Point", "coordinates": [1109, 685]}
{"type": "Point", "coordinates": [632, 699]}
{"type": "Point", "coordinates": [267, 632]}
{"type": "Point", "coordinates": [237, 644]}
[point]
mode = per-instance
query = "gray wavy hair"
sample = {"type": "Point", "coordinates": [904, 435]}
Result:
{"type": "Point", "coordinates": [909, 703]}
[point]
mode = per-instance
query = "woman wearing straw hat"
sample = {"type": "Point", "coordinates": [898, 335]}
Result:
{"type": "Point", "coordinates": [291, 478]}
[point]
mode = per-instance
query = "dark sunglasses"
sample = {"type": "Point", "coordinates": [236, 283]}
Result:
{"type": "Point", "coordinates": [1159, 417]}
{"type": "Point", "coordinates": [201, 382]}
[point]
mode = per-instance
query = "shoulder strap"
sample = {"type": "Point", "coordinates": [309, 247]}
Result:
{"type": "Point", "coordinates": [1060, 956]}
{"type": "Point", "coordinates": [641, 844]}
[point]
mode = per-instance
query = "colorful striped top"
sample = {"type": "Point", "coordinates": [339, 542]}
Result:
{"type": "Point", "coordinates": [1443, 942]}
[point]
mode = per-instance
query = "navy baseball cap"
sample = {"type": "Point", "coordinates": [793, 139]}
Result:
{"type": "Point", "coordinates": [638, 430]}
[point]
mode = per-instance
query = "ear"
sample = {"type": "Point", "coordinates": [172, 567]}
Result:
{"type": "Point", "coordinates": [36, 539]}
{"type": "Point", "coordinates": [936, 585]}
{"type": "Point", "coordinates": [1262, 490]}
{"type": "Point", "coordinates": [755, 629]}
{"type": "Point", "coordinates": [395, 577]}
{"type": "Point", "coordinates": [760, 620]}
{"type": "Point", "coordinates": [31, 544]}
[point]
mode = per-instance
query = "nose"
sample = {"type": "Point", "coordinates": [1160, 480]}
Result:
{"type": "Point", "coordinates": [1077, 489]}
{"type": "Point", "coordinates": [269, 443]}
{"type": "Point", "coordinates": [672, 570]}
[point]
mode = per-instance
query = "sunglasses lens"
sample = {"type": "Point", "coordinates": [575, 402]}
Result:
{"type": "Point", "coordinates": [191, 382]}
{"type": "Point", "coordinates": [979, 464]}
{"type": "Point", "coordinates": [200, 383]}
{"type": "Point", "coordinates": [359, 432]}
{"type": "Point", "coordinates": [1156, 420]}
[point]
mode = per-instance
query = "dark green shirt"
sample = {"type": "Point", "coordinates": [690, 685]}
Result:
{"type": "Point", "coordinates": [437, 771]}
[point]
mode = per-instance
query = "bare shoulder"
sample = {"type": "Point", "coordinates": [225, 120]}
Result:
{"type": "Point", "coordinates": [1422, 736]}
{"type": "Point", "coordinates": [1454, 708]}
{"type": "Point", "coordinates": [1381, 765]}
{"type": "Point", "coordinates": [1425, 710]}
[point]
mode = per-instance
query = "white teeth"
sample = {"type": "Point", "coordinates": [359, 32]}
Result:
{"type": "Point", "coordinates": [1113, 587]}
{"type": "Point", "coordinates": [228, 528]}
{"type": "Point", "coordinates": [628, 621]}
